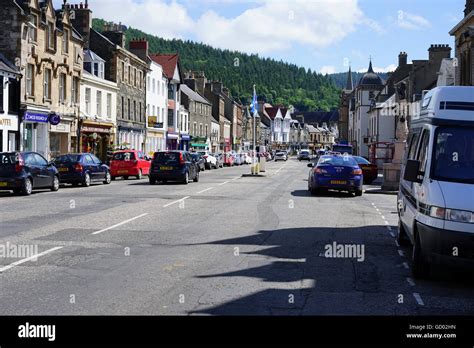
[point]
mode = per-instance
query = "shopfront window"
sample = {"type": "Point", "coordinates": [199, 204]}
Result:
{"type": "Point", "coordinates": [28, 145]}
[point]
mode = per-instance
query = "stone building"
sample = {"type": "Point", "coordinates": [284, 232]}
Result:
{"type": "Point", "coordinates": [42, 42]}
{"type": "Point", "coordinates": [122, 67]}
{"type": "Point", "coordinates": [346, 98]}
{"type": "Point", "coordinates": [213, 93]}
{"type": "Point", "coordinates": [9, 105]}
{"type": "Point", "coordinates": [463, 33]}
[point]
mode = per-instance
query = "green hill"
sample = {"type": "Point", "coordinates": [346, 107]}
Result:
{"type": "Point", "coordinates": [277, 82]}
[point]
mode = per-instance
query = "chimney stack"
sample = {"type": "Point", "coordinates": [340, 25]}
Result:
{"type": "Point", "coordinates": [439, 52]}
{"type": "Point", "coordinates": [82, 20]}
{"type": "Point", "coordinates": [402, 59]}
{"type": "Point", "coordinates": [469, 7]}
{"type": "Point", "coordinates": [139, 47]}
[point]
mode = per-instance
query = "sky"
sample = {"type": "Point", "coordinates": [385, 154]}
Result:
{"type": "Point", "coordinates": [322, 35]}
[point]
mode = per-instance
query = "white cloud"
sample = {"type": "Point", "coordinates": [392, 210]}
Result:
{"type": "Point", "coordinates": [327, 69]}
{"type": "Point", "coordinates": [388, 68]}
{"type": "Point", "coordinates": [411, 21]}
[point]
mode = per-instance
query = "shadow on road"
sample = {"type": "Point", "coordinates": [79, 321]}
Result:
{"type": "Point", "coordinates": [330, 193]}
{"type": "Point", "coordinates": [293, 260]}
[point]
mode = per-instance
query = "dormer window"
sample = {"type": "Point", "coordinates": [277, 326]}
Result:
{"type": "Point", "coordinates": [50, 36]}
{"type": "Point", "coordinates": [94, 64]}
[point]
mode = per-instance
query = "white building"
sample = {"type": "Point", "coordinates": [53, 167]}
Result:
{"type": "Point", "coordinates": [447, 73]}
{"type": "Point", "coordinates": [157, 109]}
{"type": "Point", "coordinates": [183, 126]}
{"type": "Point", "coordinates": [98, 108]}
{"type": "Point", "coordinates": [215, 135]}
{"type": "Point", "coordinates": [9, 135]}
{"type": "Point", "coordinates": [369, 85]}
{"type": "Point", "coordinates": [286, 126]}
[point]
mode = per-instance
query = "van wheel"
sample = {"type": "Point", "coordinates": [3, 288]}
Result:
{"type": "Point", "coordinates": [358, 193]}
{"type": "Point", "coordinates": [420, 268]}
{"type": "Point", "coordinates": [27, 188]}
{"type": "Point", "coordinates": [402, 237]}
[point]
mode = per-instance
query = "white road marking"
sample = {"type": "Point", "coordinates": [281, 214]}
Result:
{"type": "Point", "coordinates": [223, 183]}
{"type": "Point", "coordinates": [410, 281]}
{"type": "Point", "coordinates": [418, 299]}
{"type": "Point", "coordinates": [179, 200]}
{"type": "Point", "coordinates": [120, 224]}
{"type": "Point", "coordinates": [236, 178]}
{"type": "Point", "coordinates": [406, 265]}
{"type": "Point", "coordinates": [392, 234]}
{"type": "Point", "coordinates": [377, 209]}
{"type": "Point", "coordinates": [33, 257]}
{"type": "Point", "coordinates": [208, 189]}
{"type": "Point", "coordinates": [401, 253]}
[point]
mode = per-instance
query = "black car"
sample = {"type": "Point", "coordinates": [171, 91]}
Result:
{"type": "Point", "coordinates": [173, 166]}
{"type": "Point", "coordinates": [201, 162]}
{"type": "Point", "coordinates": [22, 172]}
{"type": "Point", "coordinates": [82, 168]}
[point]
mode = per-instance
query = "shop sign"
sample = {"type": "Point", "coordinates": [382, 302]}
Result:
{"type": "Point", "coordinates": [36, 117]}
{"type": "Point", "coordinates": [90, 129]}
{"type": "Point", "coordinates": [9, 123]}
{"type": "Point", "coordinates": [61, 128]}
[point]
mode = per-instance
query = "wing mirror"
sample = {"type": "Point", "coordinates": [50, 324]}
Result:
{"type": "Point", "coordinates": [310, 165]}
{"type": "Point", "coordinates": [412, 171]}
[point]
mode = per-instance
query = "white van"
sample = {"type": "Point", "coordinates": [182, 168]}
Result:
{"type": "Point", "coordinates": [436, 197]}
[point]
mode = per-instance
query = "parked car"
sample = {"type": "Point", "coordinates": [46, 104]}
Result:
{"type": "Point", "coordinates": [211, 161]}
{"type": "Point", "coordinates": [370, 170]}
{"type": "Point", "coordinates": [237, 159]}
{"type": "Point", "coordinates": [200, 161]}
{"type": "Point", "coordinates": [82, 168]}
{"type": "Point", "coordinates": [228, 159]}
{"type": "Point", "coordinates": [335, 172]}
{"type": "Point", "coordinates": [281, 156]}
{"type": "Point", "coordinates": [220, 160]}
{"type": "Point", "coordinates": [247, 158]}
{"type": "Point", "coordinates": [304, 155]}
{"type": "Point", "coordinates": [23, 172]}
{"type": "Point", "coordinates": [173, 166]}
{"type": "Point", "coordinates": [126, 163]}
{"type": "Point", "coordinates": [435, 197]}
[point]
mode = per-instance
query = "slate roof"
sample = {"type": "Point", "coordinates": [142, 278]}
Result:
{"type": "Point", "coordinates": [7, 66]}
{"type": "Point", "coordinates": [195, 96]}
{"type": "Point", "coordinates": [318, 117]}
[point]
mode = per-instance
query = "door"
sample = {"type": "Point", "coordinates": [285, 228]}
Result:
{"type": "Point", "coordinates": [46, 172]}
{"type": "Point", "coordinates": [90, 167]}
{"type": "Point", "coordinates": [191, 165]}
{"type": "Point", "coordinates": [100, 168]}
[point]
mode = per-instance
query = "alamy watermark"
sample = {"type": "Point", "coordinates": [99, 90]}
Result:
{"type": "Point", "coordinates": [345, 251]}
{"type": "Point", "coordinates": [20, 251]}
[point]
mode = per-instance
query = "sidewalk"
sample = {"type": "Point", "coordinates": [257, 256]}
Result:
{"type": "Point", "coordinates": [376, 187]}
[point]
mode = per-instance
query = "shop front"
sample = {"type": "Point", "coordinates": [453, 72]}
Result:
{"type": "Point", "coordinates": [184, 143]}
{"type": "Point", "coordinates": [8, 133]}
{"type": "Point", "coordinates": [60, 136]}
{"type": "Point", "coordinates": [227, 145]}
{"type": "Point", "coordinates": [155, 141]}
{"type": "Point", "coordinates": [131, 138]}
{"type": "Point", "coordinates": [172, 141]}
{"type": "Point", "coordinates": [35, 132]}
{"type": "Point", "coordinates": [199, 143]}
{"type": "Point", "coordinates": [96, 138]}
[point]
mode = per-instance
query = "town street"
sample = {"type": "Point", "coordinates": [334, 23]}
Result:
{"type": "Point", "coordinates": [226, 245]}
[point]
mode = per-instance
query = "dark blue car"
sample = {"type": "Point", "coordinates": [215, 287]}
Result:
{"type": "Point", "coordinates": [82, 169]}
{"type": "Point", "coordinates": [173, 166]}
{"type": "Point", "coordinates": [335, 172]}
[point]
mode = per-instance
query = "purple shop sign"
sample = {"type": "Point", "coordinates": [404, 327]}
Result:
{"type": "Point", "coordinates": [36, 117]}
{"type": "Point", "coordinates": [54, 119]}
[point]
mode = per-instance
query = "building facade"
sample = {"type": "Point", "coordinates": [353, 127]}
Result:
{"type": "Point", "coordinates": [463, 34]}
{"type": "Point", "coordinates": [9, 106]}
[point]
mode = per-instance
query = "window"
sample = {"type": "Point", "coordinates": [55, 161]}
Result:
{"type": "Point", "coordinates": [162, 114]}
{"type": "Point", "coordinates": [1, 105]}
{"type": "Point", "coordinates": [163, 89]}
{"type": "Point", "coordinates": [140, 111]}
{"type": "Point", "coordinates": [207, 130]}
{"type": "Point", "coordinates": [62, 88]}
{"type": "Point", "coordinates": [135, 76]}
{"type": "Point", "coordinates": [30, 73]}
{"type": "Point", "coordinates": [123, 107]}
{"type": "Point", "coordinates": [77, 55]}
{"type": "Point", "coordinates": [134, 110]}
{"type": "Point", "coordinates": [129, 109]}
{"type": "Point", "coordinates": [47, 84]}
{"type": "Point", "coordinates": [130, 75]}
{"type": "Point", "coordinates": [153, 86]}
{"type": "Point", "coordinates": [33, 28]}
{"type": "Point", "coordinates": [98, 102]}
{"type": "Point", "coordinates": [194, 128]}
{"type": "Point", "coordinates": [422, 154]}
{"type": "Point", "coordinates": [109, 105]}
{"type": "Point", "coordinates": [158, 87]}
{"type": "Point", "coordinates": [74, 89]}
{"type": "Point", "coordinates": [200, 130]}
{"type": "Point", "coordinates": [50, 36]}
{"type": "Point", "coordinates": [123, 71]}
{"type": "Point", "coordinates": [153, 111]}
{"type": "Point", "coordinates": [170, 93]}
{"type": "Point", "coordinates": [170, 118]}
{"type": "Point", "coordinates": [66, 41]}
{"type": "Point", "coordinates": [413, 144]}
{"type": "Point", "coordinates": [88, 101]}
{"type": "Point", "coordinates": [148, 83]}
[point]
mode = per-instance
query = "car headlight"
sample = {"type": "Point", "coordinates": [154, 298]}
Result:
{"type": "Point", "coordinates": [459, 215]}
{"type": "Point", "coordinates": [452, 214]}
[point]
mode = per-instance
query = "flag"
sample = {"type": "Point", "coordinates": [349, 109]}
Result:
{"type": "Point", "coordinates": [254, 105]}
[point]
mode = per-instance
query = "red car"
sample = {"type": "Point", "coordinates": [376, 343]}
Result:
{"type": "Point", "coordinates": [369, 170]}
{"type": "Point", "coordinates": [228, 160]}
{"type": "Point", "coordinates": [128, 163]}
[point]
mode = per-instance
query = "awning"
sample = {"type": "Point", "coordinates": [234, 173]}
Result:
{"type": "Point", "coordinates": [198, 145]}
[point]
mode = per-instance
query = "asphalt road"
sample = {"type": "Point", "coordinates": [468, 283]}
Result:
{"type": "Point", "coordinates": [226, 245]}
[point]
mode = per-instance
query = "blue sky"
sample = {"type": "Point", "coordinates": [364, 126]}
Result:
{"type": "Point", "coordinates": [323, 35]}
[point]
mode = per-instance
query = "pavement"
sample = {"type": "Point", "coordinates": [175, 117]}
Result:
{"type": "Point", "coordinates": [228, 245]}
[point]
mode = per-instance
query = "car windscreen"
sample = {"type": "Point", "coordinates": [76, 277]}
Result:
{"type": "Point", "coordinates": [453, 158]}
{"type": "Point", "coordinates": [346, 161]}
{"type": "Point", "coordinates": [361, 160]}
{"type": "Point", "coordinates": [8, 158]}
{"type": "Point", "coordinates": [196, 156]}
{"type": "Point", "coordinates": [123, 156]}
{"type": "Point", "coordinates": [166, 157]}
{"type": "Point", "coordinates": [67, 159]}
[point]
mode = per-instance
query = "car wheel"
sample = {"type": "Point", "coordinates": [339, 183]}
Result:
{"type": "Point", "coordinates": [186, 178]}
{"type": "Point", "coordinates": [152, 181]}
{"type": "Point", "coordinates": [27, 188]}
{"type": "Point", "coordinates": [402, 237]}
{"type": "Point", "coordinates": [140, 175]}
{"type": "Point", "coordinates": [86, 182]}
{"type": "Point", "coordinates": [420, 268]}
{"type": "Point", "coordinates": [196, 178]}
{"type": "Point", "coordinates": [108, 178]}
{"type": "Point", "coordinates": [358, 193]}
{"type": "Point", "coordinates": [55, 185]}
